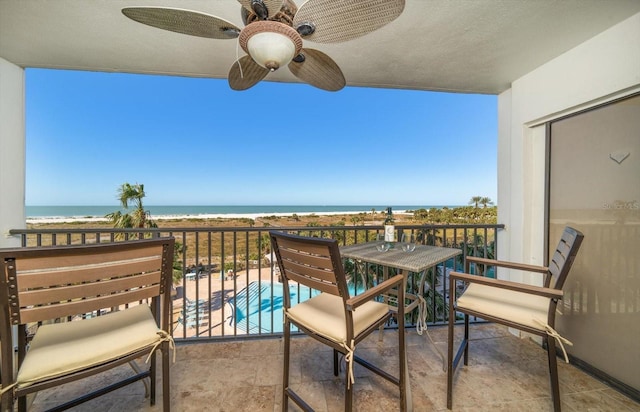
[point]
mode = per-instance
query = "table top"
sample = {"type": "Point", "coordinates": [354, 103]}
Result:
{"type": "Point", "coordinates": [422, 258]}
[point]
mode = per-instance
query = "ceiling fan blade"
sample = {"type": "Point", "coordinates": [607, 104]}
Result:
{"type": "Point", "coordinates": [183, 21]}
{"type": "Point", "coordinates": [271, 6]}
{"type": "Point", "coordinates": [318, 70]}
{"type": "Point", "coordinates": [246, 73]}
{"type": "Point", "coordinates": [338, 21]}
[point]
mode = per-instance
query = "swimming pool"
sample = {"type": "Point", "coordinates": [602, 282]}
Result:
{"type": "Point", "coordinates": [258, 307]}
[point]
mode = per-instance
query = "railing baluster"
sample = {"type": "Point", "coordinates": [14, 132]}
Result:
{"type": "Point", "coordinates": [222, 280]}
{"type": "Point", "coordinates": [209, 282]}
{"type": "Point", "coordinates": [183, 313]}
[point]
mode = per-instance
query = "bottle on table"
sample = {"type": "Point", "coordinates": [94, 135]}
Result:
{"type": "Point", "coordinates": [389, 228]}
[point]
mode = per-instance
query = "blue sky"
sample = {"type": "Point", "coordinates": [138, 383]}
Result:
{"type": "Point", "coordinates": [196, 142]}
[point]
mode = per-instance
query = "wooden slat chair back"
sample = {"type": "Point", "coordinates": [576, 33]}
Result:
{"type": "Point", "coordinates": [563, 257]}
{"type": "Point", "coordinates": [314, 265]}
{"type": "Point", "coordinates": [525, 307]}
{"type": "Point", "coordinates": [92, 307]}
{"type": "Point", "coordinates": [333, 317]}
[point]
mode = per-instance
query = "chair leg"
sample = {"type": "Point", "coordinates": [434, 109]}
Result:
{"type": "Point", "coordinates": [450, 370]}
{"type": "Point", "coordinates": [402, 359]}
{"type": "Point", "coordinates": [152, 378]}
{"type": "Point", "coordinates": [466, 339]}
{"type": "Point", "coordinates": [336, 369]}
{"type": "Point", "coordinates": [22, 404]}
{"type": "Point", "coordinates": [166, 362]}
{"type": "Point", "coordinates": [553, 373]}
{"type": "Point", "coordinates": [285, 372]}
{"type": "Point", "coordinates": [6, 403]}
{"type": "Point", "coordinates": [348, 393]}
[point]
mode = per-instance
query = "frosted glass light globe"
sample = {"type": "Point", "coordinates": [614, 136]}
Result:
{"type": "Point", "coordinates": [271, 50]}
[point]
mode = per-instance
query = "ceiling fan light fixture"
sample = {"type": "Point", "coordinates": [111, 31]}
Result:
{"type": "Point", "coordinates": [270, 44]}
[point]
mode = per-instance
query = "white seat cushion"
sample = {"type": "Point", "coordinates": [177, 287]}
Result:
{"type": "Point", "coordinates": [61, 348]}
{"type": "Point", "coordinates": [506, 304]}
{"type": "Point", "coordinates": [324, 315]}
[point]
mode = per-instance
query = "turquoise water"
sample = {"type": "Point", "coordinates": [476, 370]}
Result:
{"type": "Point", "coordinates": [258, 307]}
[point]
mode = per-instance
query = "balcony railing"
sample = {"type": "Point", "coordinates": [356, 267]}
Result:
{"type": "Point", "coordinates": [226, 285]}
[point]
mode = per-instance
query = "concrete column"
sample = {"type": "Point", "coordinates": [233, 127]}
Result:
{"type": "Point", "coordinates": [12, 152]}
{"type": "Point", "coordinates": [505, 199]}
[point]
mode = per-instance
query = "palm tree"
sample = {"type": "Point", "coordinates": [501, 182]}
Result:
{"type": "Point", "coordinates": [429, 237]}
{"type": "Point", "coordinates": [138, 218]}
{"type": "Point", "coordinates": [484, 201]}
{"type": "Point", "coordinates": [475, 201]}
{"type": "Point", "coordinates": [177, 262]}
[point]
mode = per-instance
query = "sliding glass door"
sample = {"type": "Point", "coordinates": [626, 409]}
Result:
{"type": "Point", "coordinates": [594, 186]}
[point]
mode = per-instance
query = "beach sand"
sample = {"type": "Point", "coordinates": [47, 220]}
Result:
{"type": "Point", "coordinates": [210, 216]}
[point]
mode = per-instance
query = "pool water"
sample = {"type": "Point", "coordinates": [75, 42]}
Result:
{"type": "Point", "coordinates": [258, 307]}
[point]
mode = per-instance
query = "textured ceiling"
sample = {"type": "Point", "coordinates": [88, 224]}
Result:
{"type": "Point", "coordinates": [471, 46]}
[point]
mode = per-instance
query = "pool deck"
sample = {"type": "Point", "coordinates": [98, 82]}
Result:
{"type": "Point", "coordinates": [217, 292]}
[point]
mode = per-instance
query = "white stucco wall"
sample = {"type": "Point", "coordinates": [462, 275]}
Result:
{"type": "Point", "coordinates": [12, 152]}
{"type": "Point", "coordinates": [603, 68]}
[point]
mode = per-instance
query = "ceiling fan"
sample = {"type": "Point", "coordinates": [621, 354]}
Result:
{"type": "Point", "coordinates": [273, 33]}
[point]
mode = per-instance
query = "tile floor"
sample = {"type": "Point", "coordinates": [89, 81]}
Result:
{"type": "Point", "coordinates": [504, 374]}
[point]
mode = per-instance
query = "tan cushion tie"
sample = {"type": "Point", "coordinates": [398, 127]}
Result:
{"type": "Point", "coordinates": [349, 357]}
{"type": "Point", "coordinates": [556, 335]}
{"type": "Point", "coordinates": [164, 337]}
{"type": "Point", "coordinates": [421, 324]}
{"type": "Point", "coordinates": [8, 387]}
{"type": "Point", "coordinates": [421, 327]}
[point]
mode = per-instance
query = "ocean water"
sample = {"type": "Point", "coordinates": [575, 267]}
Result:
{"type": "Point", "coordinates": [250, 211]}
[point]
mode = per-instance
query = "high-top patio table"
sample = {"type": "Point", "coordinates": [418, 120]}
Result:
{"type": "Point", "coordinates": [419, 261]}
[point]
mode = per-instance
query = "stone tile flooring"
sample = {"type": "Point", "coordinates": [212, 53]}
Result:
{"type": "Point", "coordinates": [504, 374]}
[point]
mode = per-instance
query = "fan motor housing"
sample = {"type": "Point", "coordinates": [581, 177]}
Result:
{"type": "Point", "coordinates": [284, 15]}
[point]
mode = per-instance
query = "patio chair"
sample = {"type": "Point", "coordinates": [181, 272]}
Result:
{"type": "Point", "coordinates": [192, 321]}
{"type": "Point", "coordinates": [200, 304]}
{"type": "Point", "coordinates": [332, 317]}
{"type": "Point", "coordinates": [527, 308]}
{"type": "Point", "coordinates": [45, 294]}
{"type": "Point", "coordinates": [194, 311]}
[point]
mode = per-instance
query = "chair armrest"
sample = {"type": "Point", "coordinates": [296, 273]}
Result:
{"type": "Point", "coordinates": [369, 294]}
{"type": "Point", "coordinates": [510, 265]}
{"type": "Point", "coordinates": [504, 284]}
